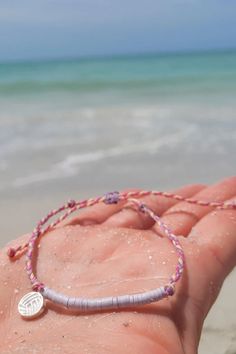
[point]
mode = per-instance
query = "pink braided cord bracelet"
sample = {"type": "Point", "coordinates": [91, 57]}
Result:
{"type": "Point", "coordinates": [32, 304]}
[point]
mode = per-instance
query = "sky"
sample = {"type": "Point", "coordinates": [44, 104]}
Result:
{"type": "Point", "coordinates": [46, 29]}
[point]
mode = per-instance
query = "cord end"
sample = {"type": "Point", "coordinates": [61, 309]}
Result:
{"type": "Point", "coordinates": [11, 252]}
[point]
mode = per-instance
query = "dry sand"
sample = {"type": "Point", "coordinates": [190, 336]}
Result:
{"type": "Point", "coordinates": [219, 333]}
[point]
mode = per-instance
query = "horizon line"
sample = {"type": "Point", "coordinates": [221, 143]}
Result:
{"type": "Point", "coordinates": [116, 56]}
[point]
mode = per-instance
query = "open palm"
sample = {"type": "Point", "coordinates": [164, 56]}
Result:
{"type": "Point", "coordinates": [112, 250]}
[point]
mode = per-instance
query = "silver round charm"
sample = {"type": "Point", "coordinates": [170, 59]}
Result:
{"type": "Point", "coordinates": [31, 305]}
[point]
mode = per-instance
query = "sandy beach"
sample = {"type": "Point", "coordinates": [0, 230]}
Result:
{"type": "Point", "coordinates": [148, 123]}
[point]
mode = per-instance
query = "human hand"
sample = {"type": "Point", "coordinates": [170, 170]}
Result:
{"type": "Point", "coordinates": [122, 253]}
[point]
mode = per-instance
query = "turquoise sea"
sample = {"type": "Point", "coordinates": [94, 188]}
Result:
{"type": "Point", "coordinates": [81, 127]}
{"type": "Point", "coordinates": [150, 77]}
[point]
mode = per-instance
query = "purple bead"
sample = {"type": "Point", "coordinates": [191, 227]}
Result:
{"type": "Point", "coordinates": [112, 198]}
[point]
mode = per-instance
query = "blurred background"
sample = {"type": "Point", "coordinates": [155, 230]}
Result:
{"type": "Point", "coordinates": [99, 95]}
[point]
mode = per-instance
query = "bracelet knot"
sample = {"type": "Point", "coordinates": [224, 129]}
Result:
{"type": "Point", "coordinates": [38, 286]}
{"type": "Point", "coordinates": [142, 208]}
{"type": "Point", "coordinates": [169, 290]}
{"type": "Point", "coordinates": [112, 198]}
{"type": "Point", "coordinates": [71, 203]}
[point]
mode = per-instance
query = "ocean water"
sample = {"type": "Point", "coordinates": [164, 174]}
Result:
{"type": "Point", "coordinates": [79, 128]}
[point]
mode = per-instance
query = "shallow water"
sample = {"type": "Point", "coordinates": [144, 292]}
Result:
{"type": "Point", "coordinates": [139, 119]}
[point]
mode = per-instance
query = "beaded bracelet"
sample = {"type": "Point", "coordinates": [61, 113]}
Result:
{"type": "Point", "coordinates": [33, 303]}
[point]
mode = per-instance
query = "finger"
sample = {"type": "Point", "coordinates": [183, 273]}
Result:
{"type": "Point", "coordinates": [216, 236]}
{"type": "Point", "coordinates": [97, 213]}
{"type": "Point", "coordinates": [128, 217]}
{"type": "Point", "coordinates": [210, 256]}
{"type": "Point", "coordinates": [183, 216]}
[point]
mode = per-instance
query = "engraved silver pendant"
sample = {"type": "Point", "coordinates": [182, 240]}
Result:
{"type": "Point", "coordinates": [31, 305]}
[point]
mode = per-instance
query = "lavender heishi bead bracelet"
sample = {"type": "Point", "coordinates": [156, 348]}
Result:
{"type": "Point", "coordinates": [33, 303]}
